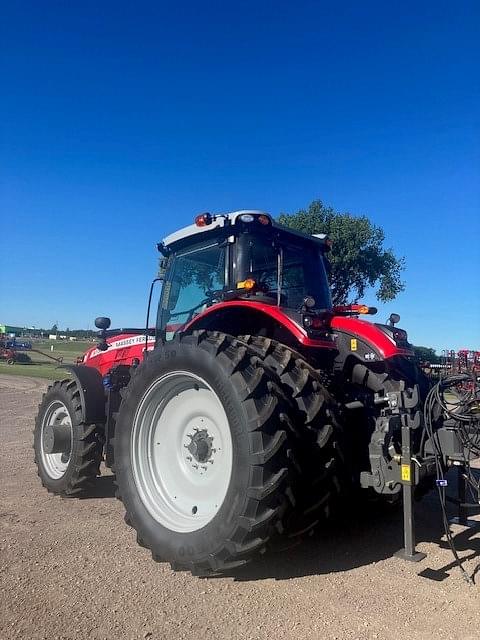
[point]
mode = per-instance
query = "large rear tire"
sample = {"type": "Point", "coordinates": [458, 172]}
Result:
{"type": "Point", "coordinates": [316, 450]}
{"type": "Point", "coordinates": [201, 457]}
{"type": "Point", "coordinates": [68, 452]}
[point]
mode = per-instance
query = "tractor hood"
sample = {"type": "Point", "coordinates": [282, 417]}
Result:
{"type": "Point", "coordinates": [123, 348]}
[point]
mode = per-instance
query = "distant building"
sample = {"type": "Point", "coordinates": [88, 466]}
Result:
{"type": "Point", "coordinates": [52, 336]}
{"type": "Point", "coordinates": [8, 330]}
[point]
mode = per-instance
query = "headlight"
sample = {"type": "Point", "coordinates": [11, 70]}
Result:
{"type": "Point", "coordinates": [398, 336]}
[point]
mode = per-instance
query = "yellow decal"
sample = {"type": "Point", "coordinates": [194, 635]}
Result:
{"type": "Point", "coordinates": [406, 473]}
{"type": "Point", "coordinates": [353, 344]}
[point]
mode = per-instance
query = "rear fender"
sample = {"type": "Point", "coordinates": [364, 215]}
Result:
{"type": "Point", "coordinates": [92, 393]}
{"type": "Point", "coordinates": [355, 336]}
{"type": "Point", "coordinates": [241, 317]}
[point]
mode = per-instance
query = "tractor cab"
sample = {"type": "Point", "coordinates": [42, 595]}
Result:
{"type": "Point", "coordinates": [244, 259]}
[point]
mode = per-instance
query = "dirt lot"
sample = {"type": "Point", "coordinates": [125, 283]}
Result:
{"type": "Point", "coordinates": [71, 569]}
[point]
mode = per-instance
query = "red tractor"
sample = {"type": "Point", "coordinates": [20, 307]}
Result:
{"type": "Point", "coordinates": [250, 409]}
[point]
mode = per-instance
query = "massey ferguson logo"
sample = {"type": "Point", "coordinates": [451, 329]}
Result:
{"type": "Point", "coordinates": [123, 343]}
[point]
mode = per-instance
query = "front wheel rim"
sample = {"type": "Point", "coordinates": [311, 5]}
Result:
{"type": "Point", "coordinates": [56, 464]}
{"type": "Point", "coordinates": [182, 454]}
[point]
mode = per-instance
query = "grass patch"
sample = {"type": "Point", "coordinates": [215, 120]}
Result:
{"type": "Point", "coordinates": [33, 370]}
{"type": "Point", "coordinates": [66, 349]}
{"type": "Point", "coordinates": [44, 367]}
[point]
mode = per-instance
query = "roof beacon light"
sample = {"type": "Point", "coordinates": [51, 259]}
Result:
{"type": "Point", "coordinates": [203, 219]}
{"type": "Point", "coordinates": [264, 220]}
{"type": "Point", "coordinates": [246, 217]}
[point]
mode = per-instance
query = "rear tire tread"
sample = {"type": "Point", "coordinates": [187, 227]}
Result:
{"type": "Point", "coordinates": [318, 432]}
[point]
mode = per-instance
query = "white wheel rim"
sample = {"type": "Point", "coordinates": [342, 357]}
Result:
{"type": "Point", "coordinates": [181, 452]}
{"type": "Point", "coordinates": [56, 464]}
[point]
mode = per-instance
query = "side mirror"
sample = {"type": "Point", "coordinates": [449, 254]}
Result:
{"type": "Point", "coordinates": [393, 319]}
{"type": "Point", "coordinates": [102, 323]}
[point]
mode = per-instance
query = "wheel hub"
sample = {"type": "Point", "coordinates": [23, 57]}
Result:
{"type": "Point", "coordinates": [200, 446]}
{"type": "Point", "coordinates": [56, 439]}
{"type": "Point", "coordinates": [198, 453]}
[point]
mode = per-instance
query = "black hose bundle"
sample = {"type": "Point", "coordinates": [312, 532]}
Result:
{"type": "Point", "coordinates": [462, 410]}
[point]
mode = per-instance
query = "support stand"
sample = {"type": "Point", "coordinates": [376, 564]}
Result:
{"type": "Point", "coordinates": [408, 552]}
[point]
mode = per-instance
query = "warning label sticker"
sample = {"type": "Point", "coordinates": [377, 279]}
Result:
{"type": "Point", "coordinates": [406, 473]}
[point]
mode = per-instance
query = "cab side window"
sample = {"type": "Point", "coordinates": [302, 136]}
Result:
{"type": "Point", "coordinates": [192, 279]}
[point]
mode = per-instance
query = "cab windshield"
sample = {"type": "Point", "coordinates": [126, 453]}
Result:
{"type": "Point", "coordinates": [284, 272]}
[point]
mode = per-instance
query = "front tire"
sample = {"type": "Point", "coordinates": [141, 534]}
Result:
{"type": "Point", "coordinates": [68, 452]}
{"type": "Point", "coordinates": [200, 454]}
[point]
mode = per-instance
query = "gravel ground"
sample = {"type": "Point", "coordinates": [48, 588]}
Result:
{"type": "Point", "coordinates": [72, 569]}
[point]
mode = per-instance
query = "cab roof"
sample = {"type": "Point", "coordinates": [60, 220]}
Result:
{"type": "Point", "coordinates": [219, 221]}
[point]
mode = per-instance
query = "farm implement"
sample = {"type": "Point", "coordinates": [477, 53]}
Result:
{"type": "Point", "coordinates": [15, 352]}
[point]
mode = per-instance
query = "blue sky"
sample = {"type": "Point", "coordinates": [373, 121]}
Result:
{"type": "Point", "coordinates": [121, 120]}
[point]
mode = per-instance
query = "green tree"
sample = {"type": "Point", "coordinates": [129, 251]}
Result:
{"type": "Point", "coordinates": [426, 354]}
{"type": "Point", "coordinates": [54, 329]}
{"type": "Point", "coordinates": [358, 258]}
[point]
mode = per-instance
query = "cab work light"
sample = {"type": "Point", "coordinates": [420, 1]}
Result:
{"type": "Point", "coordinates": [362, 308]}
{"type": "Point", "coordinates": [247, 284]}
{"type": "Point", "coordinates": [246, 217]}
{"type": "Point", "coordinates": [354, 309]}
